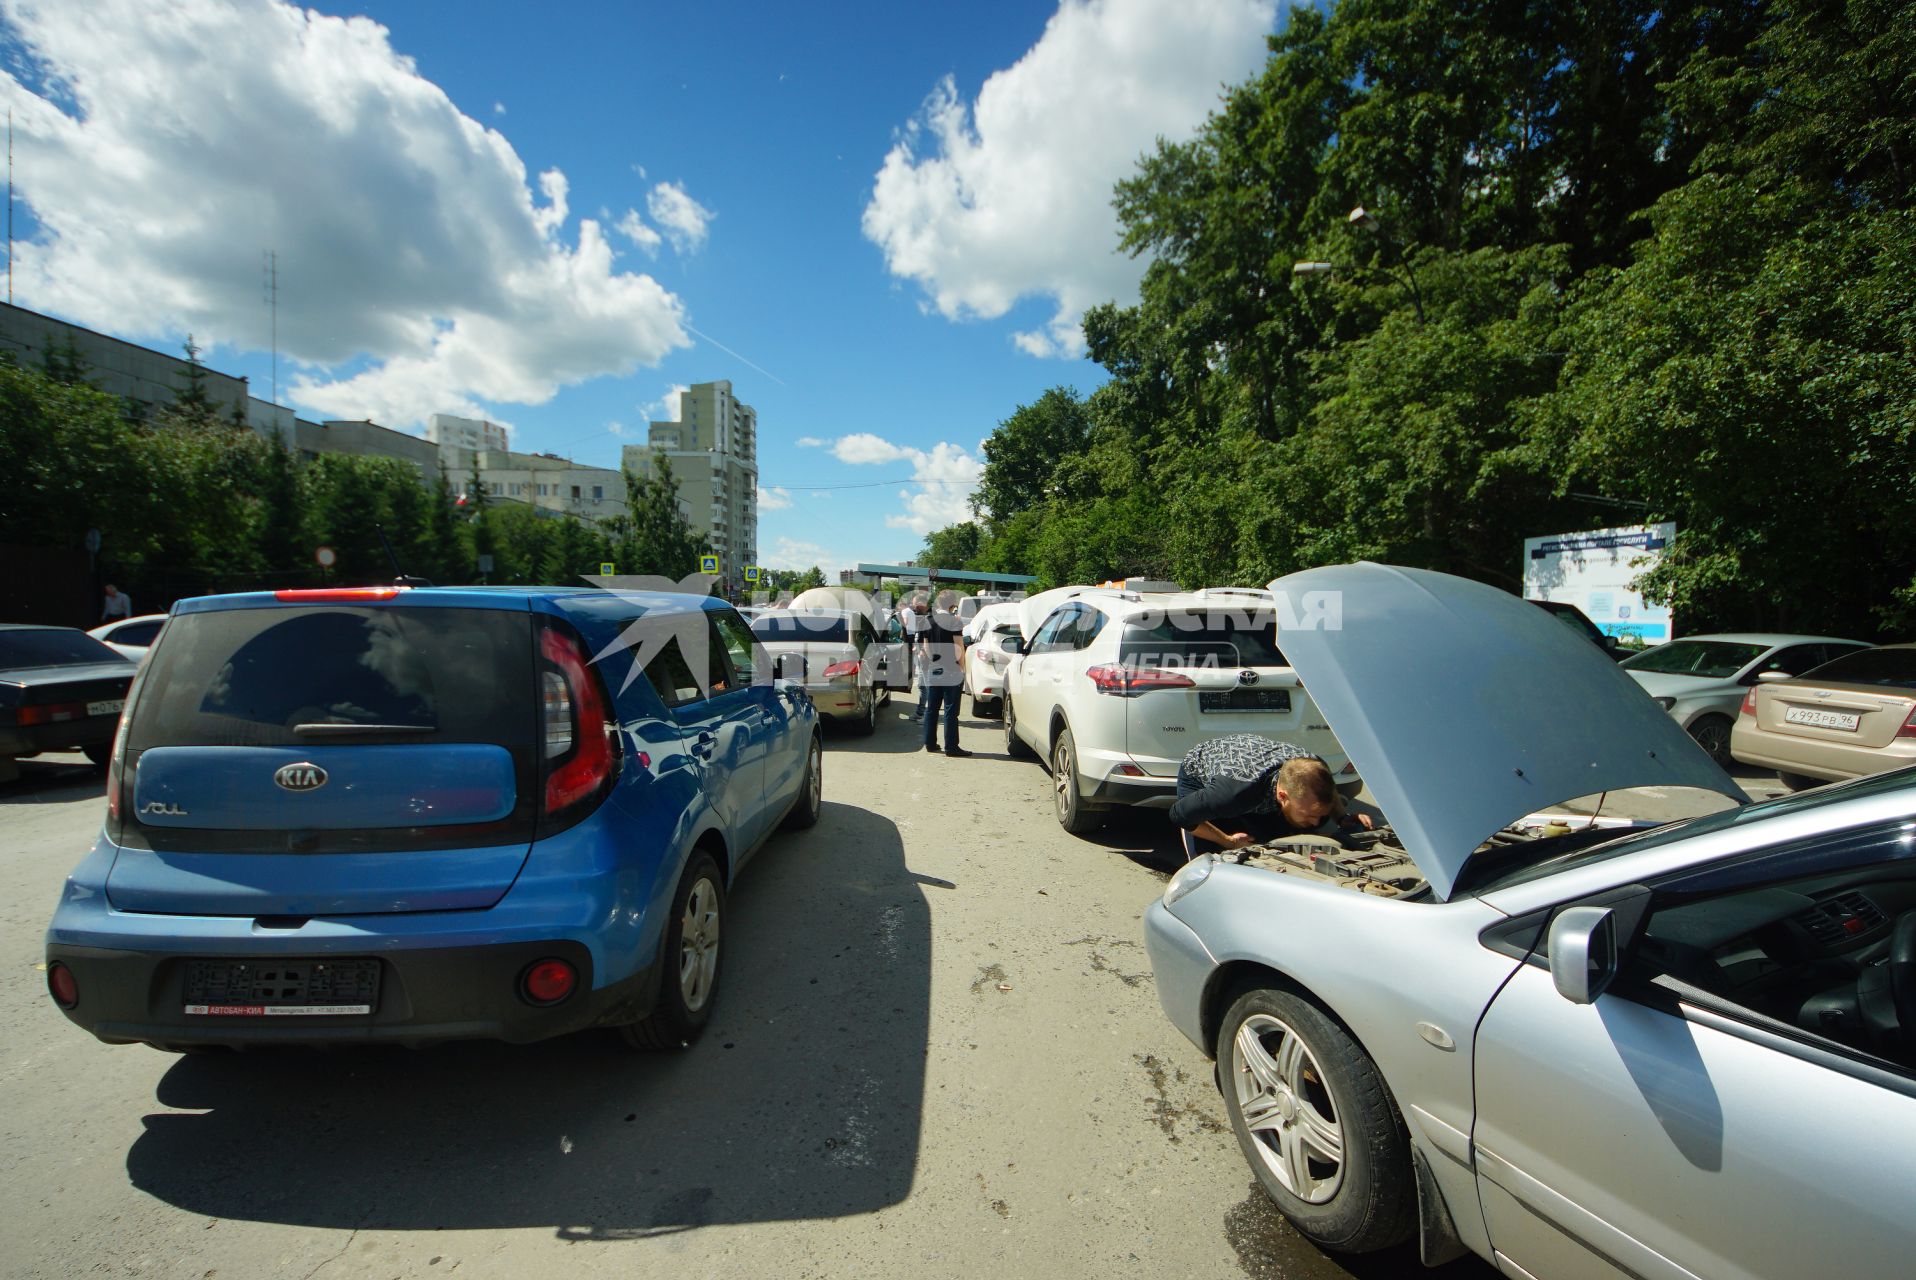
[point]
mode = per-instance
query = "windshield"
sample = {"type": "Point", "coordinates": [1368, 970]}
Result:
{"type": "Point", "coordinates": [801, 628]}
{"type": "Point", "coordinates": [51, 647]}
{"type": "Point", "coordinates": [1893, 668]}
{"type": "Point", "coordinates": [1193, 638]}
{"type": "Point", "coordinates": [1491, 877]}
{"type": "Point", "coordinates": [1718, 658]}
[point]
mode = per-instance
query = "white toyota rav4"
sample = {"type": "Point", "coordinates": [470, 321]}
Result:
{"type": "Point", "coordinates": [1115, 686]}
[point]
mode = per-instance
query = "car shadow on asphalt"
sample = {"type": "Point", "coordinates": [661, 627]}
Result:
{"type": "Point", "coordinates": [54, 782]}
{"type": "Point", "coordinates": [803, 1098]}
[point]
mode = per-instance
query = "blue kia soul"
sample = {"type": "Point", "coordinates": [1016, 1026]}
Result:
{"type": "Point", "coordinates": [388, 814]}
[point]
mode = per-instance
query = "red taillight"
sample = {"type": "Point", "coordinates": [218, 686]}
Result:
{"type": "Point", "coordinates": [846, 668]}
{"type": "Point", "coordinates": [548, 981]}
{"type": "Point", "coordinates": [1909, 726]}
{"type": "Point", "coordinates": [1749, 704]}
{"type": "Point", "coordinates": [52, 713]}
{"type": "Point", "coordinates": [62, 986]}
{"type": "Point", "coordinates": [572, 693]}
{"type": "Point", "coordinates": [336, 595]}
{"type": "Point", "coordinates": [1119, 678]}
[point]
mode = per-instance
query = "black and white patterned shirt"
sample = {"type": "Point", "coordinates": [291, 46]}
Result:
{"type": "Point", "coordinates": [1231, 777]}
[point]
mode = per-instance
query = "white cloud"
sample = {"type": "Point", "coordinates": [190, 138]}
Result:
{"type": "Point", "coordinates": [179, 141]}
{"type": "Point", "coordinates": [983, 204]}
{"type": "Point", "coordinates": [864, 447]}
{"type": "Point", "coordinates": [633, 228]}
{"type": "Point", "coordinates": [498, 108]}
{"type": "Point", "coordinates": [776, 498]}
{"type": "Point", "coordinates": [791, 553]}
{"type": "Point", "coordinates": [666, 407]}
{"type": "Point", "coordinates": [810, 442]}
{"type": "Point", "coordinates": [685, 220]}
{"type": "Point", "coordinates": [944, 477]}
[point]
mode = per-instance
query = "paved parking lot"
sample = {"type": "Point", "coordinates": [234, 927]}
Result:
{"type": "Point", "coordinates": [938, 1052]}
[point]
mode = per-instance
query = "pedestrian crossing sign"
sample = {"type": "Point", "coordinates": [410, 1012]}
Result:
{"type": "Point", "coordinates": [751, 573]}
{"type": "Point", "coordinates": [708, 564]}
{"type": "Point", "coordinates": [605, 568]}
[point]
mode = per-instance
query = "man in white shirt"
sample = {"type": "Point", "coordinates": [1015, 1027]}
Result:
{"type": "Point", "coordinates": [119, 605]}
{"type": "Point", "coordinates": [917, 623]}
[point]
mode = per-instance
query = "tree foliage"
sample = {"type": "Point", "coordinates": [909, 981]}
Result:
{"type": "Point", "coordinates": [1625, 261]}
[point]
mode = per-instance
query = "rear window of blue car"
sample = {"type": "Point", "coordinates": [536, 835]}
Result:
{"type": "Point", "coordinates": [290, 677]}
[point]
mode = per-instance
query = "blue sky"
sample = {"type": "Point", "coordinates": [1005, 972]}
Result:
{"type": "Point", "coordinates": [890, 214]}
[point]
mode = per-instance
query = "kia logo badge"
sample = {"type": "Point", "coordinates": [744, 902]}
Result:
{"type": "Point", "coordinates": [304, 776]}
{"type": "Point", "coordinates": [1247, 677]}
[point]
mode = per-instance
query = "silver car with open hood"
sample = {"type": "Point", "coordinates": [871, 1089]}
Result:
{"type": "Point", "coordinates": [1685, 1050]}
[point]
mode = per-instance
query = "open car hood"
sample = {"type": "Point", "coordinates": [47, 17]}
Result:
{"type": "Point", "coordinates": [1465, 707]}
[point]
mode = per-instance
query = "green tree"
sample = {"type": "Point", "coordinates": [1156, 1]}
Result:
{"type": "Point", "coordinates": [1022, 453]}
{"type": "Point", "coordinates": [192, 405]}
{"type": "Point", "coordinates": [952, 547]}
{"type": "Point", "coordinates": [659, 540]}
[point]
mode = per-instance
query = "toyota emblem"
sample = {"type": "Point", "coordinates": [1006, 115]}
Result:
{"type": "Point", "coordinates": [1247, 677]}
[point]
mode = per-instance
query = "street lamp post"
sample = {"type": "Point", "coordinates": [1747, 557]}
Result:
{"type": "Point", "coordinates": [1361, 217]}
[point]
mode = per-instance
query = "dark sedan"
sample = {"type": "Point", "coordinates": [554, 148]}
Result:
{"type": "Point", "coordinates": [60, 690]}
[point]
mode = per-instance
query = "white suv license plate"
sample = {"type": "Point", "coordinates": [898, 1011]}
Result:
{"type": "Point", "coordinates": [112, 708]}
{"type": "Point", "coordinates": [1846, 720]}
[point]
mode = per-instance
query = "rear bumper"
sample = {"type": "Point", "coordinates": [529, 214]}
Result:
{"type": "Point", "coordinates": [1818, 758]}
{"type": "Point", "coordinates": [835, 699]}
{"type": "Point", "coordinates": [70, 735]}
{"type": "Point", "coordinates": [1140, 793]}
{"type": "Point", "coordinates": [447, 993]}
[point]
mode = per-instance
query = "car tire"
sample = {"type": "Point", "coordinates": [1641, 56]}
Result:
{"type": "Point", "coordinates": [811, 789]}
{"type": "Point", "coordinates": [689, 966]}
{"type": "Point", "coordinates": [1311, 1084]}
{"type": "Point", "coordinates": [1798, 781]}
{"type": "Point", "coordinates": [1074, 814]}
{"type": "Point", "coordinates": [867, 722]}
{"type": "Point", "coordinates": [1712, 733]}
{"type": "Point", "coordinates": [1015, 747]}
{"type": "Point", "coordinates": [99, 753]}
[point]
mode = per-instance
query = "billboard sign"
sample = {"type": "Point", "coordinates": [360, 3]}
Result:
{"type": "Point", "coordinates": [1593, 570]}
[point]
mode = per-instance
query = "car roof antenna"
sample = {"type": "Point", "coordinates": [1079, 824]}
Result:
{"type": "Point", "coordinates": [400, 578]}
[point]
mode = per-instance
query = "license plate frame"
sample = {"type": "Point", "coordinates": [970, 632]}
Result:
{"type": "Point", "coordinates": [290, 987]}
{"type": "Point", "coordinates": [106, 707]}
{"type": "Point", "coordinates": [1818, 718]}
{"type": "Point", "coordinates": [1243, 701]}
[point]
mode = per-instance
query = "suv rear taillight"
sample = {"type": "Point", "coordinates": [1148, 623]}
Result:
{"type": "Point", "coordinates": [1909, 726]}
{"type": "Point", "coordinates": [846, 668]}
{"type": "Point", "coordinates": [1749, 704]}
{"type": "Point", "coordinates": [580, 738]}
{"type": "Point", "coordinates": [336, 595]}
{"type": "Point", "coordinates": [1121, 679]}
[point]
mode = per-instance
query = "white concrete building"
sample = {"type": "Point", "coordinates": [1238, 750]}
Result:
{"type": "Point", "coordinates": [546, 481]}
{"type": "Point", "coordinates": [460, 438]}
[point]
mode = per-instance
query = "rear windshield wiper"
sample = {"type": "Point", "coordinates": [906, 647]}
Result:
{"type": "Point", "coordinates": [330, 729]}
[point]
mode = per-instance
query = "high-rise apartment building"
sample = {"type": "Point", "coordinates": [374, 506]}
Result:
{"type": "Point", "coordinates": [713, 450]}
{"type": "Point", "coordinates": [459, 439]}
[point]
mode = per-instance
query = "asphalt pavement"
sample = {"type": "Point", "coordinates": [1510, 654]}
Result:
{"type": "Point", "coordinates": [937, 1052]}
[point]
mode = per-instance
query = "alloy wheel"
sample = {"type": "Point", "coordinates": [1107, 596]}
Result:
{"type": "Point", "coordinates": [1281, 1094]}
{"type": "Point", "coordinates": [699, 944]}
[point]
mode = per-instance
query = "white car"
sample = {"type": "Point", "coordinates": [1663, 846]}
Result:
{"type": "Point", "coordinates": [130, 637]}
{"type": "Point", "coordinates": [992, 639]}
{"type": "Point", "coordinates": [1701, 680]}
{"type": "Point", "coordinates": [1115, 686]}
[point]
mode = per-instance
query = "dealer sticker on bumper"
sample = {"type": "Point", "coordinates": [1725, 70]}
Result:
{"type": "Point", "coordinates": [276, 1010]}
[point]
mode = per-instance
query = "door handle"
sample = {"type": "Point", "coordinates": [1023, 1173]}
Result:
{"type": "Point", "coordinates": [703, 744]}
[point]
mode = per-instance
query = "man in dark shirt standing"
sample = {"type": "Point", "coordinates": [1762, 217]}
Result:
{"type": "Point", "coordinates": [1283, 789]}
{"type": "Point", "coordinates": [943, 644]}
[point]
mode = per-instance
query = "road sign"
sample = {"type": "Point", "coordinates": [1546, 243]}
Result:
{"type": "Point", "coordinates": [708, 564]}
{"type": "Point", "coordinates": [605, 568]}
{"type": "Point", "coordinates": [751, 573]}
{"type": "Point", "coordinates": [326, 557]}
{"type": "Point", "coordinates": [92, 541]}
{"type": "Point", "coordinates": [485, 564]}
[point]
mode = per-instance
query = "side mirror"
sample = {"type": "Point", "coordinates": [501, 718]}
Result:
{"type": "Point", "coordinates": [1583, 952]}
{"type": "Point", "coordinates": [789, 666]}
{"type": "Point", "coordinates": [1770, 677]}
{"type": "Point", "coordinates": [1011, 644]}
{"type": "Point", "coordinates": [1609, 641]}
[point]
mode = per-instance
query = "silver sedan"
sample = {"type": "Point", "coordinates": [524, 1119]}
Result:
{"type": "Point", "coordinates": [1571, 1046]}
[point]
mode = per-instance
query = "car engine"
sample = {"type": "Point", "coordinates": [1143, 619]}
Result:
{"type": "Point", "coordinates": [1371, 861]}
